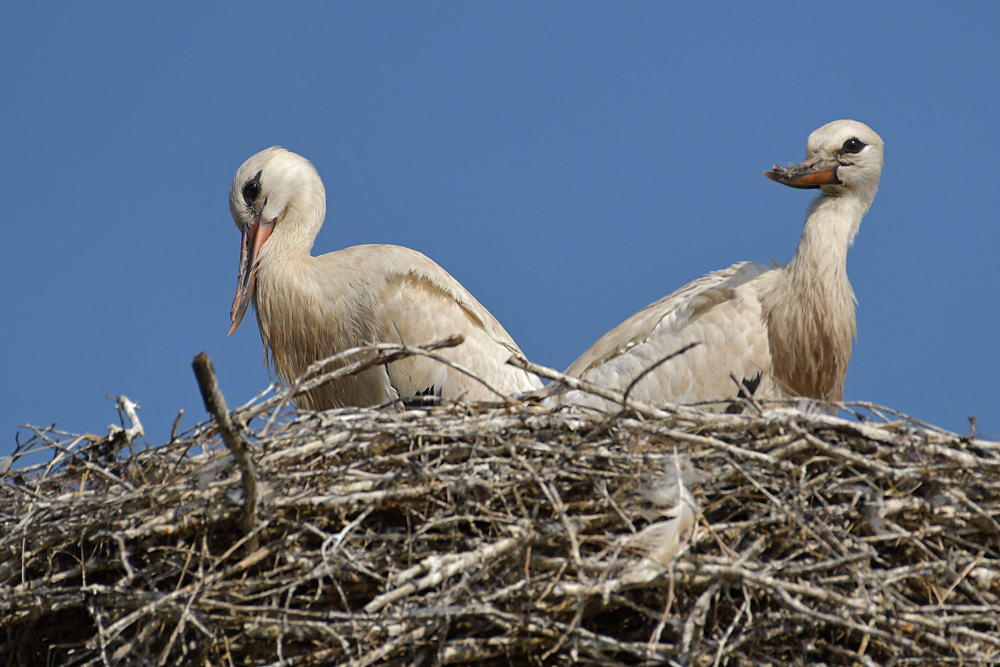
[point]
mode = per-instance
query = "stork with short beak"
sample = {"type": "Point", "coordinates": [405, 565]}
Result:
{"type": "Point", "coordinates": [763, 331]}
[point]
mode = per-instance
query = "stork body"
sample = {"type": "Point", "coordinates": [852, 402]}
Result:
{"type": "Point", "coordinates": [767, 331]}
{"type": "Point", "coordinates": [309, 308]}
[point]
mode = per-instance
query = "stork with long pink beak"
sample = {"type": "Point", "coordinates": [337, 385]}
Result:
{"type": "Point", "coordinates": [255, 233]}
{"type": "Point", "coordinates": [309, 308]}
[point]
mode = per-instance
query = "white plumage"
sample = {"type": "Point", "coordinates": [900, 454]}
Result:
{"type": "Point", "coordinates": [780, 331]}
{"type": "Point", "coordinates": [309, 308]}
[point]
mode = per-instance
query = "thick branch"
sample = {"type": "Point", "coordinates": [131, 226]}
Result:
{"type": "Point", "coordinates": [215, 403]}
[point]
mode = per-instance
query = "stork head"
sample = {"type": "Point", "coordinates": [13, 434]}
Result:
{"type": "Point", "coordinates": [842, 156]}
{"type": "Point", "coordinates": [278, 199]}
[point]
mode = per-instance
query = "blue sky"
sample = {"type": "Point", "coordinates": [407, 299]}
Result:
{"type": "Point", "coordinates": [569, 163]}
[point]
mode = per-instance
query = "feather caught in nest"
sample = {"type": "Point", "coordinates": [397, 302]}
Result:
{"type": "Point", "coordinates": [661, 541]}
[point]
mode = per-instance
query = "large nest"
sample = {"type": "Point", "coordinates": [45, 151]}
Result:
{"type": "Point", "coordinates": [509, 534]}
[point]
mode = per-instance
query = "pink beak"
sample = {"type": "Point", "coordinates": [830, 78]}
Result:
{"type": "Point", "coordinates": [254, 236]}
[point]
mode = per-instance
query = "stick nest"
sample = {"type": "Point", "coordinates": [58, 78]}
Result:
{"type": "Point", "coordinates": [508, 534]}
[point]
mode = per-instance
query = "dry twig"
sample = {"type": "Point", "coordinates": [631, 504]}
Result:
{"type": "Point", "coordinates": [502, 533]}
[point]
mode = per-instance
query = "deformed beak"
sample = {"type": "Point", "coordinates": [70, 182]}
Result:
{"type": "Point", "coordinates": [812, 173]}
{"type": "Point", "coordinates": [254, 236]}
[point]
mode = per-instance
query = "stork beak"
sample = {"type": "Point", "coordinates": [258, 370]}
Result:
{"type": "Point", "coordinates": [254, 236]}
{"type": "Point", "coordinates": [812, 173]}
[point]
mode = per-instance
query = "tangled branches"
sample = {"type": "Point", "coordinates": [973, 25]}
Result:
{"type": "Point", "coordinates": [510, 534]}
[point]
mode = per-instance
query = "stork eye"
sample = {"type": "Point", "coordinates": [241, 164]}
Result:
{"type": "Point", "coordinates": [853, 145]}
{"type": "Point", "coordinates": [252, 189]}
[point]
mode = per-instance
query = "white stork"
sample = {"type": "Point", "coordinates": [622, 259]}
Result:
{"type": "Point", "coordinates": [780, 331]}
{"type": "Point", "coordinates": [309, 308]}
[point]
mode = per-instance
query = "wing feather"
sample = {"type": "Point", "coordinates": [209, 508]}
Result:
{"type": "Point", "coordinates": [421, 302]}
{"type": "Point", "coordinates": [719, 312]}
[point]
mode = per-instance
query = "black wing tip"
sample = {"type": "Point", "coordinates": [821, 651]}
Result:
{"type": "Point", "coordinates": [424, 398]}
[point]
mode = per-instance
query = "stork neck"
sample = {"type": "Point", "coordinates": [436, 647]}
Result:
{"type": "Point", "coordinates": [288, 249]}
{"type": "Point", "coordinates": [832, 222]}
{"type": "Point", "coordinates": [286, 272]}
{"type": "Point", "coordinates": [284, 302]}
{"type": "Point", "coordinates": [809, 309]}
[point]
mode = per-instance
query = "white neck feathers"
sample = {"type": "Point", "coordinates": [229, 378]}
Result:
{"type": "Point", "coordinates": [809, 308]}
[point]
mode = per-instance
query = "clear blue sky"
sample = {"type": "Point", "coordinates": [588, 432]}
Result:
{"type": "Point", "coordinates": [569, 163]}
